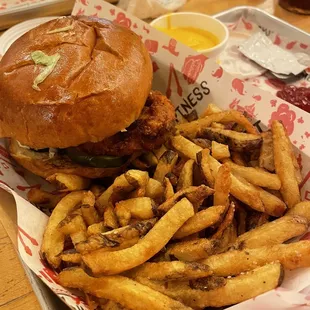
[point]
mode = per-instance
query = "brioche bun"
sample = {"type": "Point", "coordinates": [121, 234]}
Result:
{"type": "Point", "coordinates": [97, 88]}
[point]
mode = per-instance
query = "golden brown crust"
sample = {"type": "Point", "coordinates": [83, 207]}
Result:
{"type": "Point", "coordinates": [40, 164]}
{"type": "Point", "coordinates": [98, 87]}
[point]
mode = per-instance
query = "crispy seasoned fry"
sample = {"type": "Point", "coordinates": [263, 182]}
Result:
{"type": "Point", "coordinates": [237, 141]}
{"type": "Point", "coordinates": [186, 147]}
{"type": "Point", "coordinates": [256, 176]}
{"type": "Point", "coordinates": [256, 219]}
{"type": "Point", "coordinates": [240, 188]}
{"type": "Point", "coordinates": [89, 213]}
{"type": "Point", "coordinates": [97, 190]}
{"type": "Point", "coordinates": [141, 208]}
{"type": "Point", "coordinates": [44, 199]}
{"type": "Point", "coordinates": [211, 109]}
{"type": "Point", "coordinates": [160, 151]}
{"type": "Point", "coordinates": [165, 271]}
{"type": "Point", "coordinates": [120, 238]}
{"type": "Point", "coordinates": [219, 150]}
{"type": "Point", "coordinates": [136, 178]}
{"type": "Point", "coordinates": [71, 256]}
{"type": "Point", "coordinates": [73, 225]}
{"type": "Point", "coordinates": [201, 220]}
{"type": "Point", "coordinates": [150, 159]}
{"type": "Point", "coordinates": [96, 228]}
{"type": "Point", "coordinates": [110, 218]}
{"type": "Point", "coordinates": [222, 186]}
{"type": "Point", "coordinates": [154, 189]}
{"type": "Point", "coordinates": [229, 217]}
{"type": "Point", "coordinates": [217, 125]}
{"type": "Point", "coordinates": [169, 191]}
{"type": "Point", "coordinates": [266, 157]}
{"type": "Point", "coordinates": [186, 175]}
{"type": "Point", "coordinates": [228, 237]}
{"type": "Point", "coordinates": [237, 289]}
{"type": "Point", "coordinates": [68, 182]}
{"type": "Point", "coordinates": [120, 289]}
{"type": "Point", "coordinates": [296, 165]}
{"type": "Point", "coordinates": [195, 194]}
{"type": "Point", "coordinates": [241, 218]}
{"type": "Point", "coordinates": [238, 159]}
{"type": "Point", "coordinates": [115, 262]}
{"type": "Point", "coordinates": [112, 305]}
{"type": "Point", "coordinates": [193, 128]}
{"type": "Point", "coordinates": [192, 250]}
{"type": "Point", "coordinates": [284, 165]}
{"type": "Point", "coordinates": [165, 165]}
{"type": "Point", "coordinates": [275, 232]}
{"type": "Point", "coordinates": [53, 239]}
{"type": "Point", "coordinates": [203, 162]}
{"type": "Point", "coordinates": [291, 256]}
{"type": "Point", "coordinates": [208, 284]}
{"type": "Point", "coordinates": [302, 209]}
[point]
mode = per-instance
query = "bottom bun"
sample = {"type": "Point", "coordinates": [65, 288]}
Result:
{"type": "Point", "coordinates": [41, 164]}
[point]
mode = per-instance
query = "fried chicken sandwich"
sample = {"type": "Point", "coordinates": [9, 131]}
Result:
{"type": "Point", "coordinates": [75, 97]}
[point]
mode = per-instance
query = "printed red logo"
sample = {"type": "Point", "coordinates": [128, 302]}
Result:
{"type": "Point", "coordinates": [27, 236]}
{"type": "Point", "coordinates": [285, 115]}
{"type": "Point", "coordinates": [84, 2]}
{"type": "Point", "coordinates": [257, 97]}
{"type": "Point", "coordinates": [169, 89]}
{"type": "Point", "coordinates": [234, 103]}
{"type": "Point", "coordinates": [290, 45]}
{"type": "Point", "coordinates": [122, 20]}
{"type": "Point", "coordinates": [277, 40]}
{"type": "Point", "coordinates": [151, 46]}
{"type": "Point", "coordinates": [155, 66]}
{"type": "Point", "coordinates": [218, 73]}
{"type": "Point", "coordinates": [24, 188]}
{"type": "Point", "coordinates": [193, 66]}
{"type": "Point", "coordinates": [171, 48]}
{"type": "Point", "coordinates": [98, 7]}
{"type": "Point", "coordinates": [80, 11]}
{"type": "Point", "coordinates": [247, 25]}
{"type": "Point", "coordinates": [238, 86]}
{"type": "Point", "coordinates": [303, 46]}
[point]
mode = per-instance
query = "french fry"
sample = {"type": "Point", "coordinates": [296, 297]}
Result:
{"type": "Point", "coordinates": [192, 250]}
{"type": "Point", "coordinates": [97, 190]}
{"type": "Point", "coordinates": [203, 162]}
{"type": "Point", "coordinates": [201, 220]}
{"type": "Point", "coordinates": [219, 150]}
{"type": "Point", "coordinates": [211, 109]}
{"type": "Point", "coordinates": [136, 178]}
{"type": "Point", "coordinates": [256, 176]}
{"type": "Point", "coordinates": [241, 218]}
{"type": "Point", "coordinates": [208, 283]}
{"type": "Point", "coordinates": [120, 289]}
{"type": "Point", "coordinates": [301, 209]}
{"type": "Point", "coordinates": [90, 214]}
{"type": "Point", "coordinates": [71, 256]}
{"type": "Point", "coordinates": [68, 182]}
{"type": "Point", "coordinates": [203, 143]}
{"type": "Point", "coordinates": [112, 305]}
{"type": "Point", "coordinates": [236, 141]}
{"type": "Point", "coordinates": [240, 188]}
{"type": "Point", "coordinates": [110, 218]}
{"type": "Point", "coordinates": [195, 194]}
{"type": "Point", "coordinates": [228, 237]}
{"type": "Point", "coordinates": [164, 271]}
{"type": "Point", "coordinates": [256, 219]}
{"type": "Point", "coordinates": [193, 129]}
{"type": "Point", "coordinates": [217, 125]}
{"type": "Point", "coordinates": [150, 159]}
{"type": "Point", "coordinates": [119, 238]}
{"type": "Point", "coordinates": [275, 232]}
{"type": "Point", "coordinates": [44, 199]}
{"type": "Point", "coordinates": [186, 175]}
{"type": "Point", "coordinates": [154, 189]}
{"type": "Point", "coordinates": [238, 159]}
{"type": "Point", "coordinates": [160, 151]}
{"type": "Point", "coordinates": [73, 225]}
{"type": "Point", "coordinates": [186, 147]}
{"type": "Point", "coordinates": [266, 157]}
{"type": "Point", "coordinates": [169, 191]}
{"type": "Point", "coordinates": [115, 262]}
{"type": "Point", "coordinates": [141, 208]}
{"type": "Point", "coordinates": [54, 239]}
{"type": "Point", "coordinates": [296, 165]}
{"type": "Point", "coordinates": [253, 196]}
{"type": "Point", "coordinates": [290, 256]}
{"type": "Point", "coordinates": [165, 165]}
{"type": "Point", "coordinates": [105, 199]}
{"type": "Point", "coordinates": [237, 289]}
{"type": "Point", "coordinates": [96, 228]}
{"type": "Point", "coordinates": [284, 165]}
{"type": "Point", "coordinates": [229, 217]}
{"type": "Point", "coordinates": [222, 186]}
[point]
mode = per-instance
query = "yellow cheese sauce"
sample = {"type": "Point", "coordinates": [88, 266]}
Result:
{"type": "Point", "coordinates": [197, 39]}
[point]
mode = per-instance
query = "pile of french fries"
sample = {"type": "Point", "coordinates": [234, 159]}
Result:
{"type": "Point", "coordinates": [205, 224]}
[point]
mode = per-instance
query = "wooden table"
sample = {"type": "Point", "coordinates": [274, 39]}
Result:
{"type": "Point", "coordinates": [15, 290]}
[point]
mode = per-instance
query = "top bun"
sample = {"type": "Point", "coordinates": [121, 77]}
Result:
{"type": "Point", "coordinates": [98, 86]}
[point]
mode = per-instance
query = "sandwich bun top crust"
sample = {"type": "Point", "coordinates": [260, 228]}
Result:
{"type": "Point", "coordinates": [97, 87]}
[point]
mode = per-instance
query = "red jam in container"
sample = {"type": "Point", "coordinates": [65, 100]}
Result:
{"type": "Point", "coordinates": [298, 96]}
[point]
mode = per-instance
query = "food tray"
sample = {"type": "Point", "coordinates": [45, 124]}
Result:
{"type": "Point", "coordinates": [269, 24]}
{"type": "Point", "coordinates": [13, 12]}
